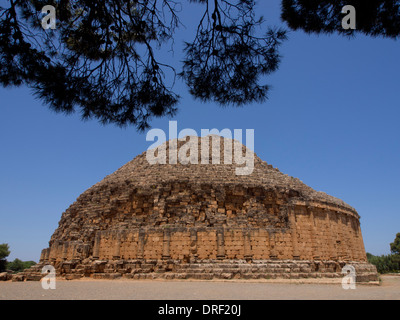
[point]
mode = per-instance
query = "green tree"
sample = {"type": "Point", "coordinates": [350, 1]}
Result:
{"type": "Point", "coordinates": [385, 263]}
{"type": "Point", "coordinates": [395, 245]}
{"type": "Point", "coordinates": [390, 262]}
{"type": "Point", "coordinates": [4, 253]}
{"type": "Point", "coordinates": [101, 59]}
{"type": "Point", "coordinates": [17, 265]}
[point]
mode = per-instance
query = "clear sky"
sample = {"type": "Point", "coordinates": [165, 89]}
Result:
{"type": "Point", "coordinates": [331, 120]}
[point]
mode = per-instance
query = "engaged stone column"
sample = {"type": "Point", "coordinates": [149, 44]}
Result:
{"type": "Point", "coordinates": [247, 246]}
{"type": "Point", "coordinates": [220, 244]}
{"type": "Point", "coordinates": [140, 252]}
{"type": "Point", "coordinates": [315, 252]}
{"type": "Point", "coordinates": [293, 228]}
{"type": "Point", "coordinates": [348, 241]}
{"type": "Point", "coordinates": [59, 250]}
{"type": "Point", "coordinates": [166, 242]}
{"type": "Point", "coordinates": [361, 242]}
{"type": "Point", "coordinates": [75, 254]}
{"type": "Point", "coordinates": [117, 247]}
{"type": "Point", "coordinates": [65, 250]}
{"type": "Point", "coordinates": [96, 246]}
{"type": "Point", "coordinates": [271, 240]}
{"type": "Point", "coordinates": [193, 243]}
{"type": "Point", "coordinates": [53, 251]}
{"type": "Point", "coordinates": [334, 253]}
{"type": "Point", "coordinates": [47, 254]}
{"type": "Point", "coordinates": [42, 255]}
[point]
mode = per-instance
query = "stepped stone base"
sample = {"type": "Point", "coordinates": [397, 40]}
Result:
{"type": "Point", "coordinates": [207, 270]}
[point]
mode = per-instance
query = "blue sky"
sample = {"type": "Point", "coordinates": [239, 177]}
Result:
{"type": "Point", "coordinates": [331, 120]}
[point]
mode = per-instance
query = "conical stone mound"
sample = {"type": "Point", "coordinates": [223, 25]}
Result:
{"type": "Point", "coordinates": [191, 215]}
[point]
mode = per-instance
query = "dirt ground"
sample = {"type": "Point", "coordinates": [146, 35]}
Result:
{"type": "Point", "coordinates": [197, 290]}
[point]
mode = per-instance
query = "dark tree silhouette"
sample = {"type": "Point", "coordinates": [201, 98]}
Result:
{"type": "Point", "coordinates": [4, 253]}
{"type": "Point", "coordinates": [226, 59]}
{"type": "Point", "coordinates": [100, 59]}
{"type": "Point", "coordinates": [395, 245]}
{"type": "Point", "coordinates": [376, 18]}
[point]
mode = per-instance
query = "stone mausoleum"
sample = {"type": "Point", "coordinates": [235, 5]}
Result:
{"type": "Point", "coordinates": [204, 221]}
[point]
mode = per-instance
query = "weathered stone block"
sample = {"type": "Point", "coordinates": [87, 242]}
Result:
{"type": "Point", "coordinates": [146, 221]}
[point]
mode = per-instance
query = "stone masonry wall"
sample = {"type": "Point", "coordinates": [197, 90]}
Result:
{"type": "Point", "coordinates": [186, 220]}
{"type": "Point", "coordinates": [311, 233]}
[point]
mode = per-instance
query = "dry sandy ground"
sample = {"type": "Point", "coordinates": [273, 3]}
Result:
{"type": "Point", "coordinates": [194, 290]}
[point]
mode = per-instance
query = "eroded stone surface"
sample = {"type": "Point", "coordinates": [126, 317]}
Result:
{"type": "Point", "coordinates": [203, 221]}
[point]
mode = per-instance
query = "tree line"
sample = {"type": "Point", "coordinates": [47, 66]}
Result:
{"type": "Point", "coordinates": [17, 265]}
{"type": "Point", "coordinates": [388, 263]}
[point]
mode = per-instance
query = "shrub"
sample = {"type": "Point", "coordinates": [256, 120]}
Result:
{"type": "Point", "coordinates": [385, 263]}
{"type": "Point", "coordinates": [18, 265]}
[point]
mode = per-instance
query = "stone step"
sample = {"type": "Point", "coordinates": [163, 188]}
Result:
{"type": "Point", "coordinates": [203, 271]}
